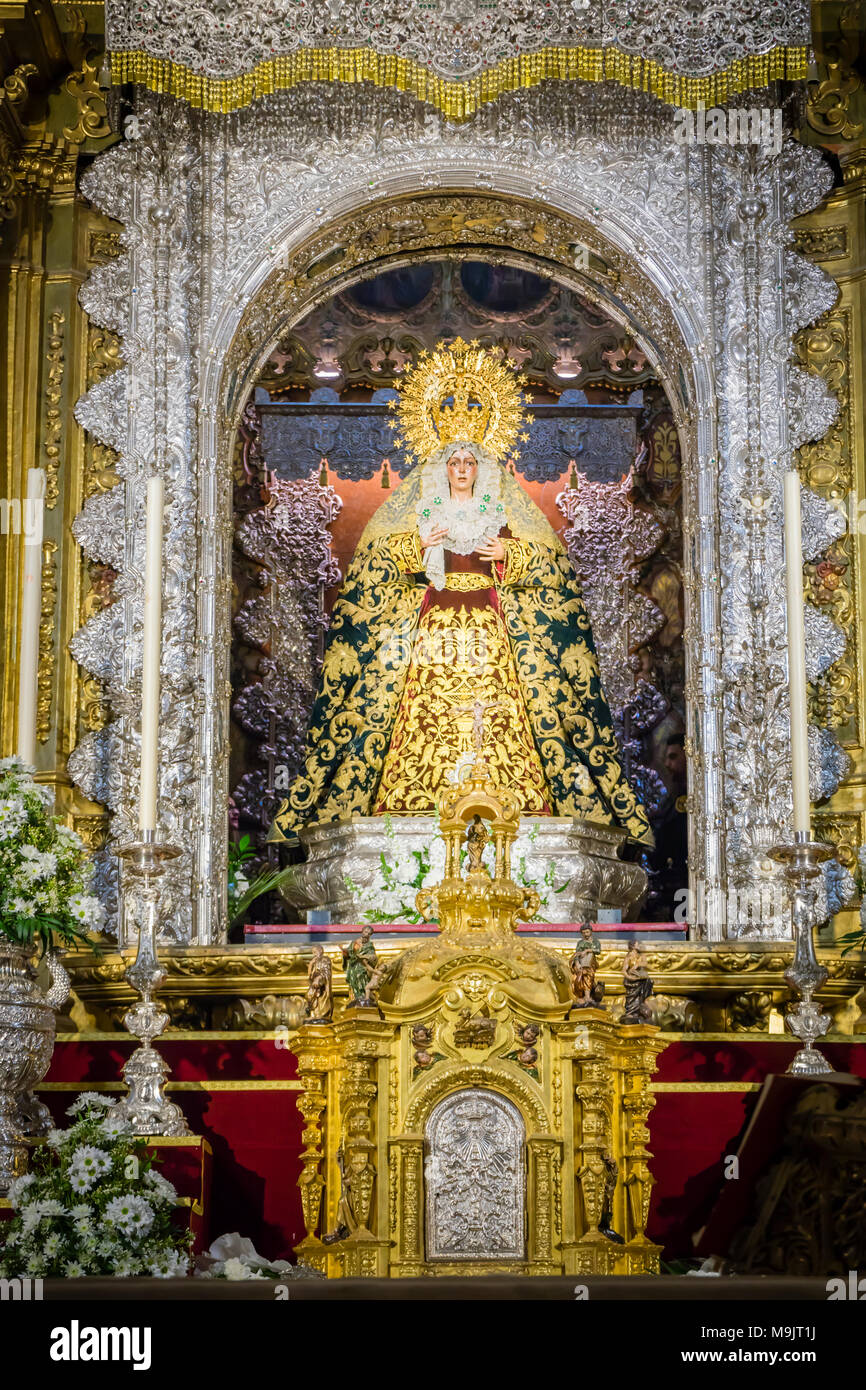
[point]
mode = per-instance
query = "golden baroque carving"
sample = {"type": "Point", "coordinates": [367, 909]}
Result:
{"type": "Point", "coordinates": [827, 467]}
{"type": "Point", "coordinates": [846, 833]}
{"type": "Point", "coordinates": [822, 243]}
{"type": "Point", "coordinates": [53, 442]}
{"type": "Point", "coordinates": [83, 86]}
{"type": "Point", "coordinates": [47, 624]}
{"type": "Point", "coordinates": [828, 97]}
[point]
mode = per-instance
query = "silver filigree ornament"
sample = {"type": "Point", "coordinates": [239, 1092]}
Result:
{"type": "Point", "coordinates": [802, 862]}
{"type": "Point", "coordinates": [145, 1108]}
{"type": "Point", "coordinates": [703, 231]}
{"type": "Point", "coordinates": [454, 39]}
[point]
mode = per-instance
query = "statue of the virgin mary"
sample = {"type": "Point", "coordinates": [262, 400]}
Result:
{"type": "Point", "coordinates": [460, 630]}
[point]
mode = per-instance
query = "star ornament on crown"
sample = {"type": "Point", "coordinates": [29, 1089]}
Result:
{"type": "Point", "coordinates": [460, 391]}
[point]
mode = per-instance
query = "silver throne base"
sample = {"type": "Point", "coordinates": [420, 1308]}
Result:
{"type": "Point", "coordinates": [584, 856]}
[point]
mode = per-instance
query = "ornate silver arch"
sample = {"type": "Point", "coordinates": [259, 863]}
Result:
{"type": "Point", "coordinates": [216, 210]}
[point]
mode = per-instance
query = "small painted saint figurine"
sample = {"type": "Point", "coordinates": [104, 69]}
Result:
{"type": "Point", "coordinates": [361, 964]}
{"type": "Point", "coordinates": [476, 841]}
{"type": "Point", "coordinates": [611, 1173]}
{"type": "Point", "coordinates": [638, 986]}
{"type": "Point", "coordinates": [319, 1001]}
{"type": "Point", "coordinates": [588, 992]}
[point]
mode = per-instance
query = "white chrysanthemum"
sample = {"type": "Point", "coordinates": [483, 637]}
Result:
{"type": "Point", "coordinates": [169, 1265]}
{"type": "Point", "coordinates": [88, 1159]}
{"type": "Point", "coordinates": [73, 1270]}
{"type": "Point", "coordinates": [89, 1099]}
{"type": "Point", "coordinates": [53, 1242]}
{"type": "Point", "coordinates": [38, 1211]}
{"type": "Point", "coordinates": [55, 1138]}
{"type": "Point", "coordinates": [160, 1186]}
{"type": "Point", "coordinates": [13, 815]}
{"type": "Point", "coordinates": [130, 1214]}
{"type": "Point", "coordinates": [86, 909]}
{"type": "Point", "coordinates": [125, 1266]}
{"type": "Point", "coordinates": [39, 864]}
{"type": "Point", "coordinates": [80, 1181]}
{"type": "Point", "coordinates": [236, 1269]}
{"type": "Point", "coordinates": [17, 1193]}
{"type": "Point", "coordinates": [81, 1211]}
{"type": "Point", "coordinates": [17, 765]}
{"type": "Point", "coordinates": [23, 907]}
{"type": "Point", "coordinates": [114, 1125]}
{"type": "Point", "coordinates": [68, 839]}
{"type": "Point", "coordinates": [35, 1266]}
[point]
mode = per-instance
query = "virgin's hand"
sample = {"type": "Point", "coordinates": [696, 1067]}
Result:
{"type": "Point", "coordinates": [435, 537]}
{"type": "Point", "coordinates": [491, 550]}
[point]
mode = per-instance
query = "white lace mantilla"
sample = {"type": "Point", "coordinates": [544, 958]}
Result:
{"type": "Point", "coordinates": [469, 523]}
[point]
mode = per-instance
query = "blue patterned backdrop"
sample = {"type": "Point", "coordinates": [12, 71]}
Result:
{"type": "Point", "coordinates": [355, 437]}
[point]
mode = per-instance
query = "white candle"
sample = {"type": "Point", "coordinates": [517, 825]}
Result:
{"type": "Point", "coordinates": [151, 644]}
{"type": "Point", "coordinates": [796, 651]}
{"type": "Point", "coordinates": [31, 614]}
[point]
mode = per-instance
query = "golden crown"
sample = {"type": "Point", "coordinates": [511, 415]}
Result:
{"type": "Point", "coordinates": [462, 391]}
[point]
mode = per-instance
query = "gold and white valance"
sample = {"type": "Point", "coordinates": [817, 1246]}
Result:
{"type": "Point", "coordinates": [222, 55]}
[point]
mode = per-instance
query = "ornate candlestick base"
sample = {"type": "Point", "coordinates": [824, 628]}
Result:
{"type": "Point", "coordinates": [146, 1107]}
{"type": "Point", "coordinates": [807, 1021]}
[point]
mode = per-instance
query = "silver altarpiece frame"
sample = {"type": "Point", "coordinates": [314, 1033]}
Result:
{"type": "Point", "coordinates": [234, 227]}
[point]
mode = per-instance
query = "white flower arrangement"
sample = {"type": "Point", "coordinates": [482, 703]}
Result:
{"type": "Point", "coordinates": [94, 1204]}
{"type": "Point", "coordinates": [44, 867]}
{"type": "Point", "coordinates": [391, 896]}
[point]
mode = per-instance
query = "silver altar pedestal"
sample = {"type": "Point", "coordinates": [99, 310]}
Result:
{"type": "Point", "coordinates": [584, 856]}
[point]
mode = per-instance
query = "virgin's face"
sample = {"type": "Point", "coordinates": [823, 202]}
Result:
{"type": "Point", "coordinates": [462, 472]}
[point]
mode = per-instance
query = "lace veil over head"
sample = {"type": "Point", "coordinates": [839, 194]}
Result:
{"type": "Point", "coordinates": [423, 500]}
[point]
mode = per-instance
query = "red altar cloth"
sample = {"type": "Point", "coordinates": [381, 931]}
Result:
{"type": "Point", "coordinates": [239, 1092]}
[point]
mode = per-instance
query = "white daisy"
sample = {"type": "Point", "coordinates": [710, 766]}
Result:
{"type": "Point", "coordinates": [88, 1159]}
{"type": "Point", "coordinates": [129, 1214]}
{"type": "Point", "coordinates": [89, 1099]}
{"type": "Point", "coordinates": [18, 1189]}
{"type": "Point", "coordinates": [161, 1186]}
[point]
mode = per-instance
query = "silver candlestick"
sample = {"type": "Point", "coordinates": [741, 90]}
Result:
{"type": "Point", "coordinates": [146, 1107]}
{"type": "Point", "coordinates": [807, 1021]}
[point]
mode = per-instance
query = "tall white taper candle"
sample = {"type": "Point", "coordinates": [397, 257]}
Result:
{"type": "Point", "coordinates": [31, 614]}
{"type": "Point", "coordinates": [152, 642]}
{"type": "Point", "coordinates": [796, 651]}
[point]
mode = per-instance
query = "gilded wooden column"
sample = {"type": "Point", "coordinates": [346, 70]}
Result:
{"type": "Point", "coordinates": [409, 1233]}
{"type": "Point", "coordinates": [364, 1042]}
{"type": "Point", "coordinates": [639, 1046]}
{"type": "Point", "coordinates": [314, 1047]}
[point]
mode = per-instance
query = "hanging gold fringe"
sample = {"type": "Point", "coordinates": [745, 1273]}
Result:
{"type": "Point", "coordinates": [457, 100]}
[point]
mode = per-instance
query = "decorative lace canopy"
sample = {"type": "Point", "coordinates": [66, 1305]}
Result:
{"type": "Point", "coordinates": [457, 54]}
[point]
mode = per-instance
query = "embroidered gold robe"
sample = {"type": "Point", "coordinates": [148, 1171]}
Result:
{"type": "Point", "coordinates": [405, 663]}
